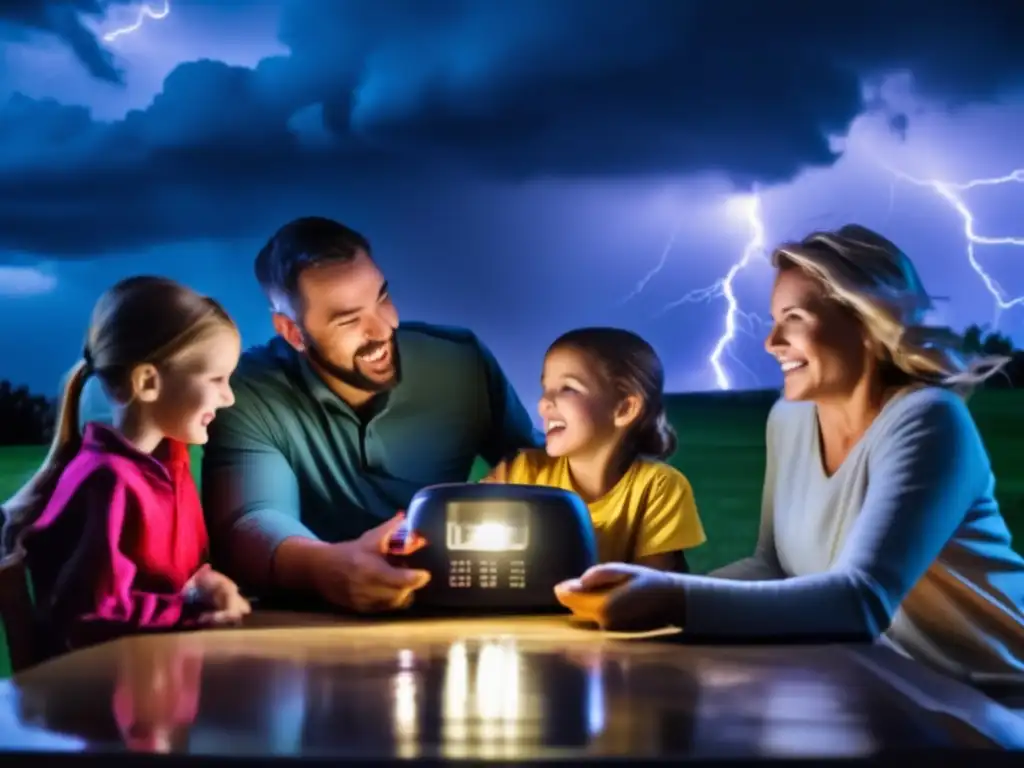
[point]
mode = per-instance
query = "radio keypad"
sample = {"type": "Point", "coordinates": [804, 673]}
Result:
{"type": "Point", "coordinates": [488, 574]}
{"type": "Point", "coordinates": [517, 574]}
{"type": "Point", "coordinates": [461, 574]}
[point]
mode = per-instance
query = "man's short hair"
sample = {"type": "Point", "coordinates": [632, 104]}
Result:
{"type": "Point", "coordinates": [298, 245]}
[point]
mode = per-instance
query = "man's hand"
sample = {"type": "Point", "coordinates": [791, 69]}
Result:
{"type": "Point", "coordinates": [220, 594]}
{"type": "Point", "coordinates": [627, 598]}
{"type": "Point", "coordinates": [356, 575]}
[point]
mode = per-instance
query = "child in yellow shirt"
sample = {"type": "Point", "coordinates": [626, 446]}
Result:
{"type": "Point", "coordinates": [606, 439]}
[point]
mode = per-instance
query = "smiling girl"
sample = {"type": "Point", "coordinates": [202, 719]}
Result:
{"type": "Point", "coordinates": [607, 437]}
{"type": "Point", "coordinates": [111, 526]}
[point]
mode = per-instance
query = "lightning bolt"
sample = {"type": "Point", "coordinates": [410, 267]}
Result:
{"type": "Point", "coordinates": [750, 208]}
{"type": "Point", "coordinates": [948, 191]}
{"type": "Point", "coordinates": [145, 12]}
{"type": "Point", "coordinates": [755, 247]}
{"type": "Point", "coordinates": [662, 260]}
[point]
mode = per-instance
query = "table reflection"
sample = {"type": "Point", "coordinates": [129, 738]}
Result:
{"type": "Point", "coordinates": [156, 697]}
{"type": "Point", "coordinates": [490, 699]}
{"type": "Point", "coordinates": [149, 705]}
{"type": "Point", "coordinates": [490, 696]}
{"type": "Point", "coordinates": [483, 713]}
{"type": "Point", "coordinates": [406, 706]}
{"type": "Point", "coordinates": [790, 712]}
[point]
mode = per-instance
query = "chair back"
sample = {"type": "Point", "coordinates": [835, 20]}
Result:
{"type": "Point", "coordinates": [17, 612]}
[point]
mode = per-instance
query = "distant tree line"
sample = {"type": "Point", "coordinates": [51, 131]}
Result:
{"type": "Point", "coordinates": [27, 418]}
{"type": "Point", "coordinates": [978, 341]}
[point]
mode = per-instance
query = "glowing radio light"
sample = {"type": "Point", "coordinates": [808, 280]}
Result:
{"type": "Point", "coordinates": [490, 537]}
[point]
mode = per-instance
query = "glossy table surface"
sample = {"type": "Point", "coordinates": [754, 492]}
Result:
{"type": "Point", "coordinates": [511, 687]}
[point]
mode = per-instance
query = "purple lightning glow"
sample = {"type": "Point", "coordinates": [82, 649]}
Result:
{"type": "Point", "coordinates": [662, 260]}
{"type": "Point", "coordinates": [145, 12]}
{"type": "Point", "coordinates": [750, 207]}
{"type": "Point", "coordinates": [948, 191]}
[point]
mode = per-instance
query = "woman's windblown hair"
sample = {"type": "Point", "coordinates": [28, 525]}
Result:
{"type": "Point", "coordinates": [867, 273]}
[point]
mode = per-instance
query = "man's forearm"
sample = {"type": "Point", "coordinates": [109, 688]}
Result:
{"type": "Point", "coordinates": [292, 563]}
{"type": "Point", "coordinates": [248, 548]}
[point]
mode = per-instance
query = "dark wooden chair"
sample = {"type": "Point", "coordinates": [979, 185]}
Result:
{"type": "Point", "coordinates": [17, 612]}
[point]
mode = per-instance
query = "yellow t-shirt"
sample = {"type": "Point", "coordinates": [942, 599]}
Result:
{"type": "Point", "coordinates": [650, 510]}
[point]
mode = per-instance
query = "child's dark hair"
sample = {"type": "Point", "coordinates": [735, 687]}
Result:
{"type": "Point", "coordinates": [631, 365]}
{"type": "Point", "coordinates": [139, 320]}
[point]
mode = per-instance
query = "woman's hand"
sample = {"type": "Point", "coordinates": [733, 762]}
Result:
{"type": "Point", "coordinates": [624, 597]}
{"type": "Point", "coordinates": [220, 595]}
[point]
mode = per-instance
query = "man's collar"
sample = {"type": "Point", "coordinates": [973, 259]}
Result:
{"type": "Point", "coordinates": [322, 393]}
{"type": "Point", "coordinates": [327, 397]}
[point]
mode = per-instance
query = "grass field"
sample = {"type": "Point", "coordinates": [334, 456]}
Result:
{"type": "Point", "coordinates": [721, 450]}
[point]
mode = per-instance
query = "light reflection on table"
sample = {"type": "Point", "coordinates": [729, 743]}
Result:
{"type": "Point", "coordinates": [493, 690]}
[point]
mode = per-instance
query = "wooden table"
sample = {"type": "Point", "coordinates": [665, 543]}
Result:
{"type": "Point", "coordinates": [517, 688]}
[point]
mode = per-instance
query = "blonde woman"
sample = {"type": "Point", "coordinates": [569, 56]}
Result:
{"type": "Point", "coordinates": [878, 514]}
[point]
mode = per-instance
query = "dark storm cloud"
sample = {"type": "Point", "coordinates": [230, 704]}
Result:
{"type": "Point", "coordinates": [511, 89]}
{"type": "Point", "coordinates": [62, 18]}
{"type": "Point", "coordinates": [586, 86]}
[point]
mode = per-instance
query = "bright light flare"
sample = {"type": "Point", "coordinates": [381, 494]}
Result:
{"type": "Point", "coordinates": [490, 537]}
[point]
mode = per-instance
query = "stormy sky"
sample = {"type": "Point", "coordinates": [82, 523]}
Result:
{"type": "Point", "coordinates": [521, 168]}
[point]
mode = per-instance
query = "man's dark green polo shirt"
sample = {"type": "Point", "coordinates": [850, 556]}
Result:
{"type": "Point", "coordinates": [291, 458]}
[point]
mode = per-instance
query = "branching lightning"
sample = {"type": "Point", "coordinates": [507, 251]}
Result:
{"type": "Point", "coordinates": [662, 260]}
{"type": "Point", "coordinates": [948, 191]}
{"type": "Point", "coordinates": [145, 12]}
{"type": "Point", "coordinates": [736, 319]}
{"type": "Point", "coordinates": [750, 206]}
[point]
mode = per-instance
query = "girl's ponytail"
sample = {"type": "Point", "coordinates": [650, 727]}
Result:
{"type": "Point", "coordinates": [655, 437]}
{"type": "Point", "coordinates": [25, 507]}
